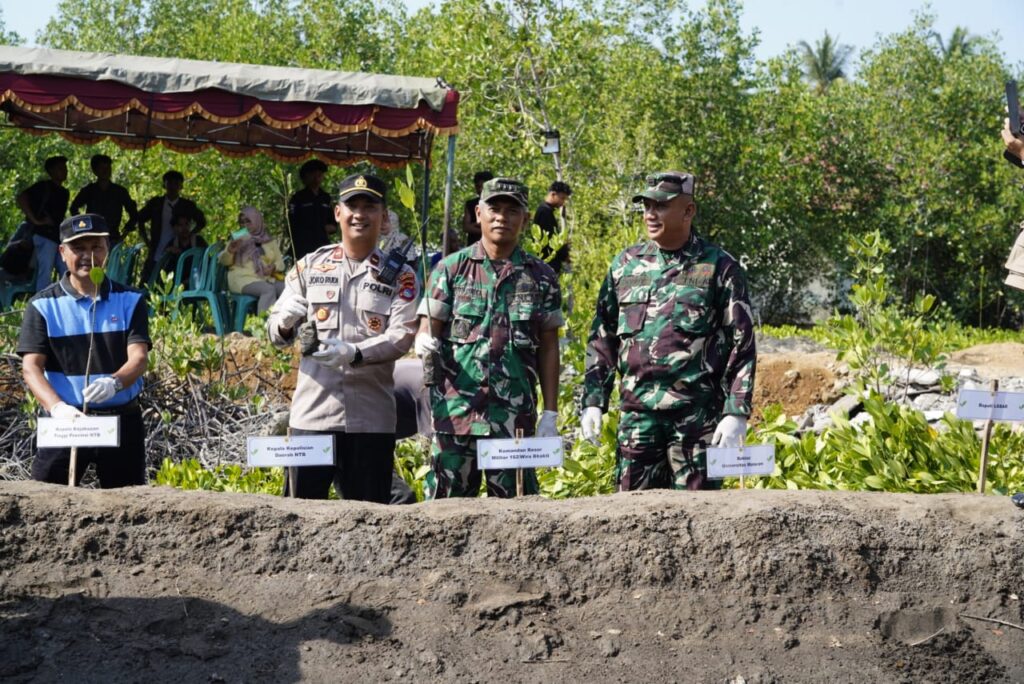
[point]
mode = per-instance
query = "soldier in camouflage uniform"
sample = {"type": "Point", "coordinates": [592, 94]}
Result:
{"type": "Point", "coordinates": [496, 312]}
{"type": "Point", "coordinates": [673, 318]}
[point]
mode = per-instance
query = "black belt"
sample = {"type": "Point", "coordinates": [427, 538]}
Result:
{"type": "Point", "coordinates": [124, 409]}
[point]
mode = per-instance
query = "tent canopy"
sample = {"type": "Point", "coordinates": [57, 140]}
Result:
{"type": "Point", "coordinates": [239, 109]}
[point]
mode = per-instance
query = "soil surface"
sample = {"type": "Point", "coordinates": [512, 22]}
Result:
{"type": "Point", "coordinates": [159, 585]}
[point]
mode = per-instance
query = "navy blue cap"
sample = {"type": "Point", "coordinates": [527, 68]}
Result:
{"type": "Point", "coordinates": [81, 226]}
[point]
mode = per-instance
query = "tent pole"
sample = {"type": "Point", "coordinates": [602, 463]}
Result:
{"type": "Point", "coordinates": [449, 178]}
{"type": "Point", "coordinates": [425, 199]}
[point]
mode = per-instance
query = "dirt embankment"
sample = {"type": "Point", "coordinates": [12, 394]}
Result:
{"type": "Point", "coordinates": [160, 585]}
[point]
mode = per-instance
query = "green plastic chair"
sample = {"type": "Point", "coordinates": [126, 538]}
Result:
{"type": "Point", "coordinates": [238, 304]}
{"type": "Point", "coordinates": [123, 262]}
{"type": "Point", "coordinates": [12, 290]}
{"type": "Point", "coordinates": [204, 287]}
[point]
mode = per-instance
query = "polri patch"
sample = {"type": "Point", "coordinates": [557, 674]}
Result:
{"type": "Point", "coordinates": [407, 286]}
{"type": "Point", "coordinates": [699, 275]}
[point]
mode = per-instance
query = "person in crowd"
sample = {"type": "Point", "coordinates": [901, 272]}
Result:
{"type": "Point", "coordinates": [44, 204]}
{"type": "Point", "coordinates": [311, 211]}
{"type": "Point", "coordinates": [79, 361]}
{"type": "Point", "coordinates": [184, 239]}
{"type": "Point", "coordinates": [363, 321]}
{"type": "Point", "coordinates": [253, 259]}
{"type": "Point", "coordinates": [470, 223]}
{"type": "Point", "coordinates": [674, 320]}
{"type": "Point", "coordinates": [106, 198]}
{"type": "Point", "coordinates": [494, 312]}
{"type": "Point", "coordinates": [546, 216]}
{"type": "Point", "coordinates": [154, 219]}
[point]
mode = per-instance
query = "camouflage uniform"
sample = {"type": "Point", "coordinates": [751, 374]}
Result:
{"type": "Point", "coordinates": [493, 313]}
{"type": "Point", "coordinates": [677, 327]}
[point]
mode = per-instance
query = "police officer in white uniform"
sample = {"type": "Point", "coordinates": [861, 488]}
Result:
{"type": "Point", "coordinates": [363, 310]}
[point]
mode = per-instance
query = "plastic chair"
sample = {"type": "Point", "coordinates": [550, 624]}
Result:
{"type": "Point", "coordinates": [238, 305]}
{"type": "Point", "coordinates": [122, 263]}
{"type": "Point", "coordinates": [204, 287]}
{"type": "Point", "coordinates": [9, 291]}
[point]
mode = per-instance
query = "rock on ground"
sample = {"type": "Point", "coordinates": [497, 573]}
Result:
{"type": "Point", "coordinates": [158, 585]}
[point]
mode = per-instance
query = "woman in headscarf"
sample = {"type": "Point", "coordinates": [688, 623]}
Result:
{"type": "Point", "coordinates": [254, 261]}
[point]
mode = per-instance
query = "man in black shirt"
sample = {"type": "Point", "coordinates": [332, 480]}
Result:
{"type": "Point", "coordinates": [154, 220]}
{"type": "Point", "coordinates": [546, 217]}
{"type": "Point", "coordinates": [44, 205]}
{"type": "Point", "coordinates": [469, 223]}
{"type": "Point", "coordinates": [311, 211]}
{"type": "Point", "coordinates": [107, 199]}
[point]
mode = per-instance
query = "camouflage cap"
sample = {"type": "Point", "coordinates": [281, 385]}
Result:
{"type": "Point", "coordinates": [661, 187]}
{"type": "Point", "coordinates": [505, 187]}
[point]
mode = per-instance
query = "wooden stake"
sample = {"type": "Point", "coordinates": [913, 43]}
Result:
{"type": "Point", "coordinates": [73, 467]}
{"type": "Point", "coordinates": [986, 435]}
{"type": "Point", "coordinates": [519, 471]}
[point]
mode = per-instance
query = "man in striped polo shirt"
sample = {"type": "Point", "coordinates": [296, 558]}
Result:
{"type": "Point", "coordinates": [84, 349]}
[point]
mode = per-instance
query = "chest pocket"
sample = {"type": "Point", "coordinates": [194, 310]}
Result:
{"type": "Point", "coordinates": [632, 310]}
{"type": "Point", "coordinates": [692, 311]}
{"type": "Point", "coordinates": [468, 313]}
{"type": "Point", "coordinates": [374, 310]}
{"type": "Point", "coordinates": [324, 307]}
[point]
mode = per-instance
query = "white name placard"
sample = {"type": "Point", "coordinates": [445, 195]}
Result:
{"type": "Point", "coordinates": [83, 431]}
{"type": "Point", "coordinates": [983, 405]}
{"type": "Point", "coordinates": [296, 450]}
{"type": "Point", "coordinates": [733, 462]}
{"type": "Point", "coordinates": [528, 452]}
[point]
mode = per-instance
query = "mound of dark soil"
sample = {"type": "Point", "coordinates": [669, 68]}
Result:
{"type": "Point", "coordinates": [157, 585]}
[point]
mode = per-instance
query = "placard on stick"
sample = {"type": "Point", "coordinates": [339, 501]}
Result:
{"type": "Point", "coordinates": [989, 405]}
{"type": "Point", "coordinates": [293, 450]}
{"type": "Point", "coordinates": [528, 452]}
{"type": "Point", "coordinates": [82, 431]}
{"type": "Point", "coordinates": [758, 459]}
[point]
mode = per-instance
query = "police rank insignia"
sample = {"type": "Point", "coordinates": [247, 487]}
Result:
{"type": "Point", "coordinates": [407, 286]}
{"type": "Point", "coordinates": [375, 324]}
{"type": "Point", "coordinates": [322, 314]}
{"type": "Point", "coordinates": [338, 254]}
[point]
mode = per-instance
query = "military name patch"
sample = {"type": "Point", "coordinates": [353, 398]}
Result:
{"type": "Point", "coordinates": [631, 281]}
{"type": "Point", "coordinates": [324, 280]}
{"type": "Point", "coordinates": [697, 276]}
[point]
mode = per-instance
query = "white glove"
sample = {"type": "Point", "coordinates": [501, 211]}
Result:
{"type": "Point", "coordinates": [334, 353]}
{"type": "Point", "coordinates": [290, 310]}
{"type": "Point", "coordinates": [63, 410]}
{"type": "Point", "coordinates": [731, 432]}
{"type": "Point", "coordinates": [548, 425]}
{"type": "Point", "coordinates": [426, 344]}
{"type": "Point", "coordinates": [100, 390]}
{"type": "Point", "coordinates": [590, 422]}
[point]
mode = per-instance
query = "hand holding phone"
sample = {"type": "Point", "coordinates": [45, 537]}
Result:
{"type": "Point", "coordinates": [240, 234]}
{"type": "Point", "coordinates": [1013, 109]}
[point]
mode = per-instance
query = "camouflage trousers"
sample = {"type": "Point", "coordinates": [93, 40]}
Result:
{"type": "Point", "coordinates": [664, 449]}
{"type": "Point", "coordinates": [453, 471]}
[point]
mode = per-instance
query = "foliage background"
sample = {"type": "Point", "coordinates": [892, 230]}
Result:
{"type": "Point", "coordinates": [787, 170]}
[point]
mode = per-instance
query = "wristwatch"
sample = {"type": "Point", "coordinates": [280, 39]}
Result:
{"type": "Point", "coordinates": [118, 385]}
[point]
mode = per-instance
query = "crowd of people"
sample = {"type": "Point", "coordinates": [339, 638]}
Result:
{"type": "Point", "coordinates": [672, 324]}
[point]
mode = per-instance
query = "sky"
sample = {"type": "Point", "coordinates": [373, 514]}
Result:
{"type": "Point", "coordinates": [781, 23]}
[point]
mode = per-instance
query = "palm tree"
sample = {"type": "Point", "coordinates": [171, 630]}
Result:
{"type": "Point", "coordinates": [826, 61]}
{"type": "Point", "coordinates": [960, 43]}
